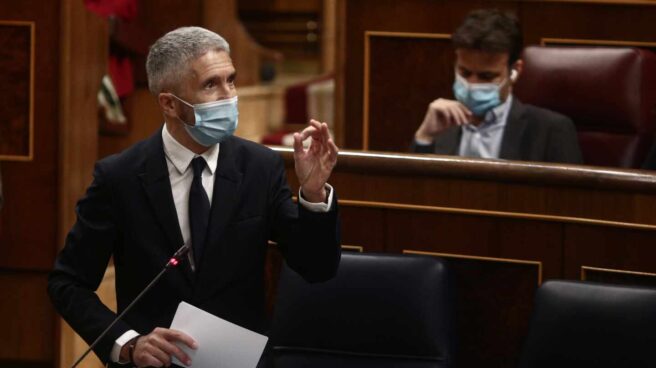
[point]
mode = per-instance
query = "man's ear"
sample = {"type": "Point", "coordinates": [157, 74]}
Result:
{"type": "Point", "coordinates": [516, 70]}
{"type": "Point", "coordinates": [167, 103]}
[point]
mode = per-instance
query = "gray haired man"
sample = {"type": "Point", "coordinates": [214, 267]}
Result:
{"type": "Point", "coordinates": [193, 182]}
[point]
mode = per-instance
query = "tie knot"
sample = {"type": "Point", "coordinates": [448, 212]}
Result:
{"type": "Point", "coordinates": [198, 164]}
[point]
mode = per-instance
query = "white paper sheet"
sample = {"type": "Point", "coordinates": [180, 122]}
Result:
{"type": "Point", "coordinates": [221, 344]}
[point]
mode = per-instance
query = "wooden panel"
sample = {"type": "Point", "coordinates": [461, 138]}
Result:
{"type": "Point", "coordinates": [622, 21]}
{"type": "Point", "coordinates": [494, 300]}
{"type": "Point", "coordinates": [609, 248]}
{"type": "Point", "coordinates": [20, 364]}
{"type": "Point", "coordinates": [141, 106]}
{"type": "Point", "coordinates": [495, 270]}
{"type": "Point", "coordinates": [29, 224]}
{"type": "Point", "coordinates": [369, 235]}
{"type": "Point", "coordinates": [475, 235]}
{"type": "Point", "coordinates": [17, 106]}
{"type": "Point", "coordinates": [549, 219]}
{"type": "Point", "coordinates": [35, 191]}
{"type": "Point", "coordinates": [620, 277]}
{"type": "Point", "coordinates": [28, 318]}
{"type": "Point", "coordinates": [399, 70]}
{"type": "Point", "coordinates": [414, 16]}
{"type": "Point", "coordinates": [487, 197]}
{"type": "Point", "coordinates": [153, 20]}
{"type": "Point", "coordinates": [291, 6]}
{"type": "Point", "coordinates": [29, 219]}
{"type": "Point", "coordinates": [84, 53]}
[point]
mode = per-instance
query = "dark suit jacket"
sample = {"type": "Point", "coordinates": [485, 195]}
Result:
{"type": "Point", "coordinates": [128, 213]}
{"type": "Point", "coordinates": [531, 134]}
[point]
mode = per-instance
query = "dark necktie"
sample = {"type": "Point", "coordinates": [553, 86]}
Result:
{"type": "Point", "coordinates": [199, 210]}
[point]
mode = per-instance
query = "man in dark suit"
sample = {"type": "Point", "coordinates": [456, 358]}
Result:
{"type": "Point", "coordinates": [485, 120]}
{"type": "Point", "coordinates": [193, 182]}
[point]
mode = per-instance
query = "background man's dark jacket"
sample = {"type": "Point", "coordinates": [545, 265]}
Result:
{"type": "Point", "coordinates": [531, 134]}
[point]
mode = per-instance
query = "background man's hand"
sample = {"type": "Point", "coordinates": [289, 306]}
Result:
{"type": "Point", "coordinates": [442, 114]}
{"type": "Point", "coordinates": [157, 348]}
{"type": "Point", "coordinates": [314, 165]}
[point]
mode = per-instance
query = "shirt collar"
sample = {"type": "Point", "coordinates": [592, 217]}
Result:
{"type": "Point", "coordinates": [496, 116]}
{"type": "Point", "coordinates": [180, 156]}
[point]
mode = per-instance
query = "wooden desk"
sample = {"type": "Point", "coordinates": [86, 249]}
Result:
{"type": "Point", "coordinates": [505, 227]}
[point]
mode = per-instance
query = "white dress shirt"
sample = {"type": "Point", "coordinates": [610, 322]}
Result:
{"type": "Point", "coordinates": [485, 139]}
{"type": "Point", "coordinates": [178, 161]}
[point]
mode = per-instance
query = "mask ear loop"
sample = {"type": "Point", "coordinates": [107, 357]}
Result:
{"type": "Point", "coordinates": [513, 75]}
{"type": "Point", "coordinates": [186, 103]}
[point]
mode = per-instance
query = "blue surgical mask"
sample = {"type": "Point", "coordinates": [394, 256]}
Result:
{"type": "Point", "coordinates": [214, 121]}
{"type": "Point", "coordinates": [478, 97]}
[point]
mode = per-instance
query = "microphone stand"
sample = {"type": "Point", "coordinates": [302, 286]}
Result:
{"type": "Point", "coordinates": [173, 262]}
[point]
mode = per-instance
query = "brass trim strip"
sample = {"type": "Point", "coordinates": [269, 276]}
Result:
{"type": "Point", "coordinates": [481, 258]}
{"type": "Point", "coordinates": [356, 248]}
{"type": "Point", "coordinates": [407, 34]}
{"type": "Point", "coordinates": [367, 71]}
{"type": "Point", "coordinates": [488, 213]}
{"type": "Point", "coordinates": [365, 97]}
{"type": "Point", "coordinates": [593, 42]}
{"type": "Point", "coordinates": [32, 26]}
{"type": "Point", "coordinates": [584, 269]}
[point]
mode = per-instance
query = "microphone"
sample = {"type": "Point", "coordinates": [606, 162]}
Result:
{"type": "Point", "coordinates": [174, 261]}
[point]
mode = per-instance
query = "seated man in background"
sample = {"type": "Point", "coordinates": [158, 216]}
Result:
{"type": "Point", "coordinates": [486, 120]}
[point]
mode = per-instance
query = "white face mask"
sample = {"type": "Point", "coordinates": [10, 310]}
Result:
{"type": "Point", "coordinates": [214, 121]}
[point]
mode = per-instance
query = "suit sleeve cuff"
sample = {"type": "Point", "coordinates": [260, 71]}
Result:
{"type": "Point", "coordinates": [115, 355]}
{"type": "Point", "coordinates": [317, 207]}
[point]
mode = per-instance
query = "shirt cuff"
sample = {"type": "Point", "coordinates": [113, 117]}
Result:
{"type": "Point", "coordinates": [423, 142]}
{"type": "Point", "coordinates": [317, 207]}
{"type": "Point", "coordinates": [115, 355]}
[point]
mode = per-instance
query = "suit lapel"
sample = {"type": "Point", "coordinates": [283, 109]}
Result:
{"type": "Point", "coordinates": [227, 184]}
{"type": "Point", "coordinates": [448, 142]}
{"type": "Point", "coordinates": [156, 184]}
{"type": "Point", "coordinates": [511, 142]}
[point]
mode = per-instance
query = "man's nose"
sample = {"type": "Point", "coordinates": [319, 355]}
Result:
{"type": "Point", "coordinates": [474, 79]}
{"type": "Point", "coordinates": [225, 92]}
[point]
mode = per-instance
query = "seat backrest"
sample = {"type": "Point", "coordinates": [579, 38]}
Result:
{"type": "Point", "coordinates": [380, 310]}
{"type": "Point", "coordinates": [584, 324]}
{"type": "Point", "coordinates": [609, 93]}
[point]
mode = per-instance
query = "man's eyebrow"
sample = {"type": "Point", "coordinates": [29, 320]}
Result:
{"type": "Point", "coordinates": [209, 79]}
{"type": "Point", "coordinates": [488, 74]}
